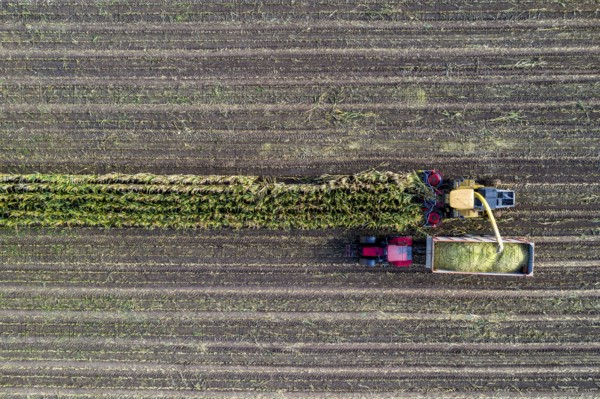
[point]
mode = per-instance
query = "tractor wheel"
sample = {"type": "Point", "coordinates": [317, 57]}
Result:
{"type": "Point", "coordinates": [367, 239]}
{"type": "Point", "coordinates": [367, 262]}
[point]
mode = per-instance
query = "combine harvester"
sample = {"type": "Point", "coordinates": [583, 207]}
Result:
{"type": "Point", "coordinates": [463, 198]}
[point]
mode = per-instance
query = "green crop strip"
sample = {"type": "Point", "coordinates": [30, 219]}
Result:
{"type": "Point", "coordinates": [370, 199]}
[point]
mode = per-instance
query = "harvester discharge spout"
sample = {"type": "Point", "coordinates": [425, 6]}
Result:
{"type": "Point", "coordinates": [492, 220]}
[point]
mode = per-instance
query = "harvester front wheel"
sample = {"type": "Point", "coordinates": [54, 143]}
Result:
{"type": "Point", "coordinates": [434, 218]}
{"type": "Point", "coordinates": [432, 178]}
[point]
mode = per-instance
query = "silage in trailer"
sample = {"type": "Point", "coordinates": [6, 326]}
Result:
{"type": "Point", "coordinates": [369, 199]}
{"type": "Point", "coordinates": [480, 257]}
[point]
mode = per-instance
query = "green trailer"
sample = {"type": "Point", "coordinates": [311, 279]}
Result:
{"type": "Point", "coordinates": [479, 255]}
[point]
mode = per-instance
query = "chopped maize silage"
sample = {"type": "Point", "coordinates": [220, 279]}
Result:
{"type": "Point", "coordinates": [370, 199]}
{"type": "Point", "coordinates": [480, 257]}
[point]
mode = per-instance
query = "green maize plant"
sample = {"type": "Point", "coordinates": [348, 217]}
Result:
{"type": "Point", "coordinates": [369, 199]}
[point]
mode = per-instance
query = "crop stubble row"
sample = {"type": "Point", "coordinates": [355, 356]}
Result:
{"type": "Point", "coordinates": [223, 36]}
{"type": "Point", "coordinates": [282, 12]}
{"type": "Point", "coordinates": [173, 351]}
{"type": "Point", "coordinates": [271, 379]}
{"type": "Point", "coordinates": [94, 91]}
{"type": "Point", "coordinates": [223, 299]}
{"type": "Point", "coordinates": [181, 65]}
{"type": "Point", "coordinates": [290, 327]}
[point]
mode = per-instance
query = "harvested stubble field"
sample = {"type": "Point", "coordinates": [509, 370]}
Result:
{"type": "Point", "coordinates": [499, 89]}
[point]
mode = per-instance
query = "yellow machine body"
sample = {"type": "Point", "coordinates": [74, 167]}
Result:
{"type": "Point", "coordinates": [462, 198]}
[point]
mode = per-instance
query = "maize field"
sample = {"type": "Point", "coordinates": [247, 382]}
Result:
{"type": "Point", "coordinates": [376, 200]}
{"type": "Point", "coordinates": [159, 161]}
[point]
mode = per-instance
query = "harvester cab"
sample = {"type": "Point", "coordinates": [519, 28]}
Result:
{"type": "Point", "coordinates": [464, 203]}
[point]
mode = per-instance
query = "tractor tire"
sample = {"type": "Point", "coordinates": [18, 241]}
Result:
{"type": "Point", "coordinates": [367, 239]}
{"type": "Point", "coordinates": [367, 262]}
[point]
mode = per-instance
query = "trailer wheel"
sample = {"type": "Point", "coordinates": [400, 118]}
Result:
{"type": "Point", "coordinates": [367, 239]}
{"type": "Point", "coordinates": [367, 262]}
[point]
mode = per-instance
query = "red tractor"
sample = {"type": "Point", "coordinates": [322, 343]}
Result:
{"type": "Point", "coordinates": [391, 250]}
